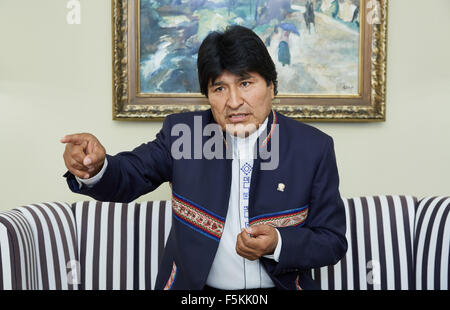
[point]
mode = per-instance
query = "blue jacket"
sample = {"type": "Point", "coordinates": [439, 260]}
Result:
{"type": "Point", "coordinates": [308, 212]}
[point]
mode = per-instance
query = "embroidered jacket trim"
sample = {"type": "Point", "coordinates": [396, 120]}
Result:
{"type": "Point", "coordinates": [197, 217]}
{"type": "Point", "coordinates": [287, 218]}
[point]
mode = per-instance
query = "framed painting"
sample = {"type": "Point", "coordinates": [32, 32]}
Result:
{"type": "Point", "coordinates": [330, 55]}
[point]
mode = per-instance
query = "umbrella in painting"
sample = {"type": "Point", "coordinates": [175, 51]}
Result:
{"type": "Point", "coordinates": [289, 27]}
{"type": "Point", "coordinates": [284, 55]}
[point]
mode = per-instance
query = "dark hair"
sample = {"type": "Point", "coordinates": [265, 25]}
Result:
{"type": "Point", "coordinates": [238, 50]}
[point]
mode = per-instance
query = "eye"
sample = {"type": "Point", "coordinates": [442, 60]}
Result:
{"type": "Point", "coordinates": [218, 89]}
{"type": "Point", "coordinates": [245, 83]}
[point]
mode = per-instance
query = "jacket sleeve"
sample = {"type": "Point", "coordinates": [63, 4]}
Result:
{"type": "Point", "coordinates": [321, 240]}
{"type": "Point", "coordinates": [134, 173]}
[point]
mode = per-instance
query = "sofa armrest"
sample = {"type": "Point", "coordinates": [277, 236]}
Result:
{"type": "Point", "coordinates": [54, 239]}
{"type": "Point", "coordinates": [432, 244]}
{"type": "Point", "coordinates": [18, 265]}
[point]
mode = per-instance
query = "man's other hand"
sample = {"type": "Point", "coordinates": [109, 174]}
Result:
{"type": "Point", "coordinates": [256, 241]}
{"type": "Point", "coordinates": [84, 155]}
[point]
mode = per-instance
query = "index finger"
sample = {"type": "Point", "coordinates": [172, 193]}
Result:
{"type": "Point", "coordinates": [74, 139]}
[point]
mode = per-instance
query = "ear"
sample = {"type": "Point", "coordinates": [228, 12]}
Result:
{"type": "Point", "coordinates": [272, 90]}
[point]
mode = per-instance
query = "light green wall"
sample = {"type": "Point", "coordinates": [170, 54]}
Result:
{"type": "Point", "coordinates": [55, 79]}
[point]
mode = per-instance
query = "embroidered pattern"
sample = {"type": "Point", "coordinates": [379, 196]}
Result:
{"type": "Point", "coordinates": [274, 123]}
{"type": "Point", "coordinates": [246, 168]}
{"type": "Point", "coordinates": [244, 184]}
{"type": "Point", "coordinates": [197, 218]}
{"type": "Point", "coordinates": [171, 278]}
{"type": "Point", "coordinates": [287, 218]}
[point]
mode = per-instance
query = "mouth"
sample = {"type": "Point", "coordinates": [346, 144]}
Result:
{"type": "Point", "coordinates": [238, 117]}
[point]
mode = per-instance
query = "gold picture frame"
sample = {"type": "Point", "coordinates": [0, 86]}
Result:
{"type": "Point", "coordinates": [368, 104]}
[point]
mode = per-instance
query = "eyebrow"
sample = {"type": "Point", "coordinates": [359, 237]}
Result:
{"type": "Point", "coordinates": [242, 77]}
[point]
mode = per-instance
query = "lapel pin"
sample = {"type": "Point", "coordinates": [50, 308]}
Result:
{"type": "Point", "coordinates": [281, 187]}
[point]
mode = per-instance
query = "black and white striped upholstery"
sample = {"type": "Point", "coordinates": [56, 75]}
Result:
{"type": "Point", "coordinates": [121, 245]}
{"type": "Point", "coordinates": [18, 268]}
{"type": "Point", "coordinates": [380, 234]}
{"type": "Point", "coordinates": [54, 236]}
{"type": "Point", "coordinates": [432, 244]}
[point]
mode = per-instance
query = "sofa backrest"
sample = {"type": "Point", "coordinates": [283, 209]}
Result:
{"type": "Point", "coordinates": [18, 267]}
{"type": "Point", "coordinates": [432, 244]}
{"type": "Point", "coordinates": [380, 234]}
{"type": "Point", "coordinates": [121, 245]}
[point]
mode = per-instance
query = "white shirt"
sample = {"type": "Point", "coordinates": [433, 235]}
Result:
{"type": "Point", "coordinates": [229, 270]}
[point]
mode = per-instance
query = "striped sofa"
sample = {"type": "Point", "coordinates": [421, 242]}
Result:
{"type": "Point", "coordinates": [395, 242]}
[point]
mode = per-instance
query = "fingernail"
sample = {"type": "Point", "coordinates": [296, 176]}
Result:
{"type": "Point", "coordinates": [87, 161]}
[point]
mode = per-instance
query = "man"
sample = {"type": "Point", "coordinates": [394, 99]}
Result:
{"type": "Point", "coordinates": [242, 219]}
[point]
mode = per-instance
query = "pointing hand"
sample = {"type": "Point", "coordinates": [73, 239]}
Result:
{"type": "Point", "coordinates": [84, 155]}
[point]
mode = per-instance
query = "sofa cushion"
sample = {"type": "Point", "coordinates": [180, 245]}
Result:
{"type": "Point", "coordinates": [18, 268]}
{"type": "Point", "coordinates": [120, 245]}
{"type": "Point", "coordinates": [432, 244]}
{"type": "Point", "coordinates": [53, 228]}
{"type": "Point", "coordinates": [380, 246]}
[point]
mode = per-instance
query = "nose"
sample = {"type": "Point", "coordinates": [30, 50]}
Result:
{"type": "Point", "coordinates": [235, 99]}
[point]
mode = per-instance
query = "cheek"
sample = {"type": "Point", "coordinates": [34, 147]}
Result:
{"type": "Point", "coordinates": [261, 104]}
{"type": "Point", "coordinates": [215, 104]}
{"type": "Point", "coordinates": [218, 112]}
{"type": "Point", "coordinates": [217, 109]}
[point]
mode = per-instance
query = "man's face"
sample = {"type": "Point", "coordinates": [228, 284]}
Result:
{"type": "Point", "coordinates": [240, 103]}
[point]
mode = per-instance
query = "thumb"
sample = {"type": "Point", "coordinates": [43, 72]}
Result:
{"type": "Point", "coordinates": [91, 159]}
{"type": "Point", "coordinates": [94, 153]}
{"type": "Point", "coordinates": [258, 230]}
{"type": "Point", "coordinates": [87, 161]}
